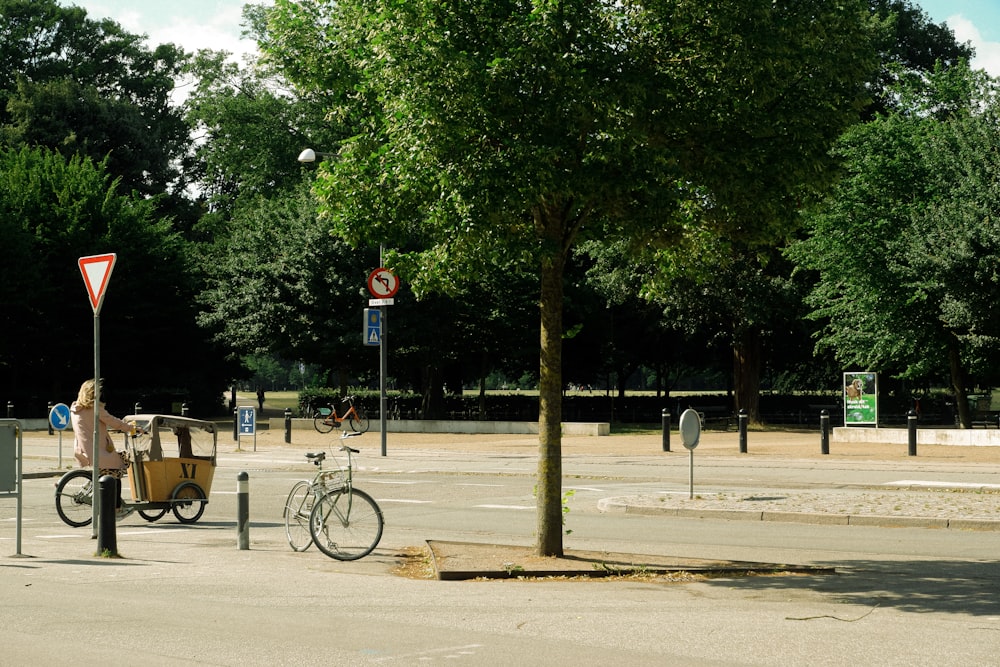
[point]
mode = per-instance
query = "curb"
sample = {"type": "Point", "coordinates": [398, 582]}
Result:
{"type": "Point", "coordinates": [871, 520]}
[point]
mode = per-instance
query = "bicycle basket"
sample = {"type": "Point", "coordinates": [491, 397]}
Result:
{"type": "Point", "coordinates": [332, 479]}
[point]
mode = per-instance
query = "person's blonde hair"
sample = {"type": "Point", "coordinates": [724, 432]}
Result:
{"type": "Point", "coordinates": [85, 399]}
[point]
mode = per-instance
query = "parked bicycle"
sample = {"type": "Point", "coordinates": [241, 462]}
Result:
{"type": "Point", "coordinates": [326, 419]}
{"type": "Point", "coordinates": [344, 522]}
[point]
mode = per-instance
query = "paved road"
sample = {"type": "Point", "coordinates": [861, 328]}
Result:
{"type": "Point", "coordinates": [184, 594]}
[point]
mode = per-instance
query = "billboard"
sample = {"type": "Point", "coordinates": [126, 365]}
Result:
{"type": "Point", "coordinates": [860, 398]}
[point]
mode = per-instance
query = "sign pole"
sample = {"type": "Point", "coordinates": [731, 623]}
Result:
{"type": "Point", "coordinates": [96, 271]}
{"type": "Point", "coordinates": [96, 452]}
{"type": "Point", "coordinates": [383, 354]}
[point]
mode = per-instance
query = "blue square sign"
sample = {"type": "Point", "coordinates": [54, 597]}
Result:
{"type": "Point", "coordinates": [373, 326]}
{"type": "Point", "coordinates": [247, 421]}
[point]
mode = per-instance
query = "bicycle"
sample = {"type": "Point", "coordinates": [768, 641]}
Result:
{"type": "Point", "coordinates": [326, 419]}
{"type": "Point", "coordinates": [345, 523]}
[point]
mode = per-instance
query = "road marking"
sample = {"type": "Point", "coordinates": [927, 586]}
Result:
{"type": "Point", "coordinates": [506, 507]}
{"type": "Point", "coordinates": [959, 485]}
{"type": "Point", "coordinates": [495, 486]}
{"type": "Point", "coordinates": [403, 500]}
{"type": "Point", "coordinates": [584, 488]}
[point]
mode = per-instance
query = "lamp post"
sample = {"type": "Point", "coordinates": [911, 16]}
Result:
{"type": "Point", "coordinates": [308, 155]}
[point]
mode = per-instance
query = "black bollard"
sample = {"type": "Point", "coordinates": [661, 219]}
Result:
{"type": "Point", "coordinates": [185, 410]}
{"type": "Point", "coordinates": [824, 431]}
{"type": "Point", "coordinates": [51, 432]}
{"type": "Point", "coordinates": [236, 425]}
{"type": "Point", "coordinates": [10, 409]}
{"type": "Point", "coordinates": [137, 408]}
{"type": "Point", "coordinates": [743, 419]}
{"type": "Point", "coordinates": [288, 425]}
{"type": "Point", "coordinates": [911, 428]}
{"type": "Point", "coordinates": [666, 430]}
{"type": "Point", "coordinates": [107, 539]}
{"type": "Point", "coordinates": [243, 511]}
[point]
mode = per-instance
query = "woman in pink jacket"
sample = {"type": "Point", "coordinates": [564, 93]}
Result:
{"type": "Point", "coordinates": [109, 461]}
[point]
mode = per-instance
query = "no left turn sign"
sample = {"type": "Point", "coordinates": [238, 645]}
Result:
{"type": "Point", "coordinates": [383, 283]}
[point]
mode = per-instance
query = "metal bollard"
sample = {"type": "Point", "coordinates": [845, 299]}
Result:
{"type": "Point", "coordinates": [236, 425]}
{"type": "Point", "coordinates": [137, 408]}
{"type": "Point", "coordinates": [911, 428]}
{"type": "Point", "coordinates": [744, 418]}
{"type": "Point", "coordinates": [243, 511]}
{"type": "Point", "coordinates": [185, 410]}
{"type": "Point", "coordinates": [107, 538]}
{"type": "Point", "coordinates": [824, 431]}
{"type": "Point", "coordinates": [51, 432]}
{"type": "Point", "coordinates": [10, 409]}
{"type": "Point", "coordinates": [288, 425]}
{"type": "Point", "coordinates": [666, 430]}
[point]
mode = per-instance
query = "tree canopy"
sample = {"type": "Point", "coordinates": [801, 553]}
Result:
{"type": "Point", "coordinates": [498, 132]}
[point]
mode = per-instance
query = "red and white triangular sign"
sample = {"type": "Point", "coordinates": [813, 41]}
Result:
{"type": "Point", "coordinates": [96, 271]}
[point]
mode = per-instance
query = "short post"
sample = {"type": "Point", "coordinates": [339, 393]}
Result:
{"type": "Point", "coordinates": [666, 429]}
{"type": "Point", "coordinates": [137, 408]}
{"type": "Point", "coordinates": [824, 431]}
{"type": "Point", "coordinates": [243, 511]}
{"type": "Point", "coordinates": [107, 539]}
{"type": "Point", "coordinates": [10, 409]}
{"type": "Point", "coordinates": [49, 412]}
{"type": "Point", "coordinates": [911, 428]}
{"type": "Point", "coordinates": [236, 425]}
{"type": "Point", "coordinates": [743, 419]}
{"type": "Point", "coordinates": [185, 409]}
{"type": "Point", "coordinates": [288, 425]}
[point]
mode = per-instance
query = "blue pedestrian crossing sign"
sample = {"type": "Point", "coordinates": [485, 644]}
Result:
{"type": "Point", "coordinates": [59, 416]}
{"type": "Point", "coordinates": [247, 421]}
{"type": "Point", "coordinates": [373, 326]}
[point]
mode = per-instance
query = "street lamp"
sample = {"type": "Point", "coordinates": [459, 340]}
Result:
{"type": "Point", "coordinates": [309, 155]}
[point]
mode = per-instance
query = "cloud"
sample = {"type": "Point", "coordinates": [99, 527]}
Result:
{"type": "Point", "coordinates": [987, 53]}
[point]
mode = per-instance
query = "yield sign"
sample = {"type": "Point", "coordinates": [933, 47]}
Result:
{"type": "Point", "coordinates": [96, 271]}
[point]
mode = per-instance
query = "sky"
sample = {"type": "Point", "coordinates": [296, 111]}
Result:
{"type": "Point", "coordinates": [215, 24]}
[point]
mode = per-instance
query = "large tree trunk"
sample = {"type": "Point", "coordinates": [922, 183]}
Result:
{"type": "Point", "coordinates": [550, 411]}
{"type": "Point", "coordinates": [958, 383]}
{"type": "Point", "coordinates": [746, 373]}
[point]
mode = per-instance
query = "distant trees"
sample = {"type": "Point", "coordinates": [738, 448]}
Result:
{"type": "Point", "coordinates": [907, 244]}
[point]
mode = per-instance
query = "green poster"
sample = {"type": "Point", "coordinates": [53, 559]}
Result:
{"type": "Point", "coordinates": [860, 398]}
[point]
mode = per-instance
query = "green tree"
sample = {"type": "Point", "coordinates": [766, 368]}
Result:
{"type": "Point", "coordinates": [906, 244]}
{"type": "Point", "coordinates": [54, 210]}
{"type": "Point", "coordinates": [502, 133]}
{"type": "Point", "coordinates": [88, 87]}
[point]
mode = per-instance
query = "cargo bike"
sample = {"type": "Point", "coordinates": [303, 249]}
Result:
{"type": "Point", "coordinates": [171, 463]}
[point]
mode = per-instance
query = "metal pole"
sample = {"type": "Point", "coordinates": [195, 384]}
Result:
{"type": "Point", "coordinates": [288, 425]}
{"type": "Point", "coordinates": [743, 419]}
{"type": "Point", "coordinates": [243, 511]}
{"type": "Point", "coordinates": [50, 417]}
{"type": "Point", "coordinates": [383, 371]}
{"type": "Point", "coordinates": [666, 429]}
{"type": "Point", "coordinates": [911, 427]}
{"type": "Point", "coordinates": [97, 444]}
{"type": "Point", "coordinates": [824, 431]}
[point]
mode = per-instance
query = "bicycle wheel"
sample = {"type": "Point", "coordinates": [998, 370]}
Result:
{"type": "Point", "coordinates": [298, 509]}
{"type": "Point", "coordinates": [188, 502]}
{"type": "Point", "coordinates": [346, 524]}
{"type": "Point", "coordinates": [323, 423]}
{"type": "Point", "coordinates": [152, 515]}
{"type": "Point", "coordinates": [359, 421]}
{"type": "Point", "coordinates": [75, 498]}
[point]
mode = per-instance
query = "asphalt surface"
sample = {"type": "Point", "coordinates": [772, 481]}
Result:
{"type": "Point", "coordinates": [180, 595]}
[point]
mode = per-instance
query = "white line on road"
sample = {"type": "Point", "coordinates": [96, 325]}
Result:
{"type": "Point", "coordinates": [506, 507]}
{"type": "Point", "coordinates": [961, 485]}
{"type": "Point", "coordinates": [403, 500]}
